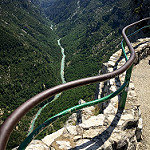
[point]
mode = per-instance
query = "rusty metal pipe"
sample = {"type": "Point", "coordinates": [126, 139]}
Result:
{"type": "Point", "coordinates": [8, 126]}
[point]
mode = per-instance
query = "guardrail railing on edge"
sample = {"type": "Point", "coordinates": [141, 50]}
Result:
{"type": "Point", "coordinates": [7, 127]}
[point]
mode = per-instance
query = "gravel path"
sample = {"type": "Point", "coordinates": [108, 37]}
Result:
{"type": "Point", "coordinates": [141, 80]}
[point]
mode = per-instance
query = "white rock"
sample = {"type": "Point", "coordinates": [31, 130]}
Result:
{"type": "Point", "coordinates": [116, 55]}
{"type": "Point", "coordinates": [132, 93]}
{"type": "Point", "coordinates": [37, 145]}
{"type": "Point", "coordinates": [119, 53]}
{"type": "Point", "coordinates": [131, 85]}
{"type": "Point", "coordinates": [115, 137]}
{"type": "Point", "coordinates": [113, 88]}
{"type": "Point", "coordinates": [107, 145]}
{"type": "Point", "coordinates": [1, 112]}
{"type": "Point", "coordinates": [112, 81]}
{"type": "Point", "coordinates": [72, 130]}
{"type": "Point", "coordinates": [75, 138]}
{"type": "Point", "coordinates": [88, 110]}
{"type": "Point", "coordinates": [88, 134]}
{"type": "Point", "coordinates": [140, 124]}
{"type": "Point", "coordinates": [64, 145]}
{"type": "Point", "coordinates": [112, 58]}
{"type": "Point", "coordinates": [50, 138]}
{"type": "Point", "coordinates": [121, 122]}
{"type": "Point", "coordinates": [94, 121]}
{"type": "Point", "coordinates": [114, 100]}
{"type": "Point", "coordinates": [127, 117]}
{"type": "Point", "coordinates": [81, 101]}
{"type": "Point", "coordinates": [110, 118]}
{"type": "Point", "coordinates": [110, 109]}
{"type": "Point", "coordinates": [110, 69]}
{"type": "Point", "coordinates": [111, 64]}
{"type": "Point", "coordinates": [143, 45]}
{"type": "Point", "coordinates": [119, 66]}
{"type": "Point", "coordinates": [72, 119]}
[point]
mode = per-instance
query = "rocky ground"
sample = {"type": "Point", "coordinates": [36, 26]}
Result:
{"type": "Point", "coordinates": [141, 79]}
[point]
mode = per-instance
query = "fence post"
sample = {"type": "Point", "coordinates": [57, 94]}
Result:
{"type": "Point", "coordinates": [125, 91]}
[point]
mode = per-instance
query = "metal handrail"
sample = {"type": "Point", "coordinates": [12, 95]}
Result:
{"type": "Point", "coordinates": [33, 134]}
{"type": "Point", "coordinates": [7, 127]}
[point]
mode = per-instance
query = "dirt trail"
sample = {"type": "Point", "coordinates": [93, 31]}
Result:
{"type": "Point", "coordinates": [141, 80]}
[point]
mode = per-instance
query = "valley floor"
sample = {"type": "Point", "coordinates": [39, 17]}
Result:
{"type": "Point", "coordinates": [141, 79]}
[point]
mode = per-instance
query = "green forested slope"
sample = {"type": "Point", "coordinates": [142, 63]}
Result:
{"type": "Point", "coordinates": [29, 59]}
{"type": "Point", "coordinates": [91, 30]}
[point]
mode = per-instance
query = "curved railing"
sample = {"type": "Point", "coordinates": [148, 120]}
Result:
{"type": "Point", "coordinates": [7, 127]}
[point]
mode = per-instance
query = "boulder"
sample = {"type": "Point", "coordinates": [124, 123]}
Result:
{"type": "Point", "coordinates": [37, 145]}
{"type": "Point", "coordinates": [49, 139]}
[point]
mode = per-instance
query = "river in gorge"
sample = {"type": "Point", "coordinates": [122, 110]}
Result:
{"type": "Point", "coordinates": [56, 96]}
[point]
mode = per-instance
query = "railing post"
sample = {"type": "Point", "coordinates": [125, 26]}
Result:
{"type": "Point", "coordinates": [125, 91]}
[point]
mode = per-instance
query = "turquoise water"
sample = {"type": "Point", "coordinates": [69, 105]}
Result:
{"type": "Point", "coordinates": [62, 62]}
{"type": "Point", "coordinates": [56, 96]}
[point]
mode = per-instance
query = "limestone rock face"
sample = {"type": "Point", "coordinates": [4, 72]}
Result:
{"type": "Point", "coordinates": [72, 130]}
{"type": "Point", "coordinates": [50, 138]}
{"type": "Point", "coordinates": [63, 144]}
{"type": "Point", "coordinates": [94, 121]}
{"type": "Point", "coordinates": [81, 115]}
{"type": "Point", "coordinates": [37, 145]}
{"type": "Point", "coordinates": [113, 128]}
